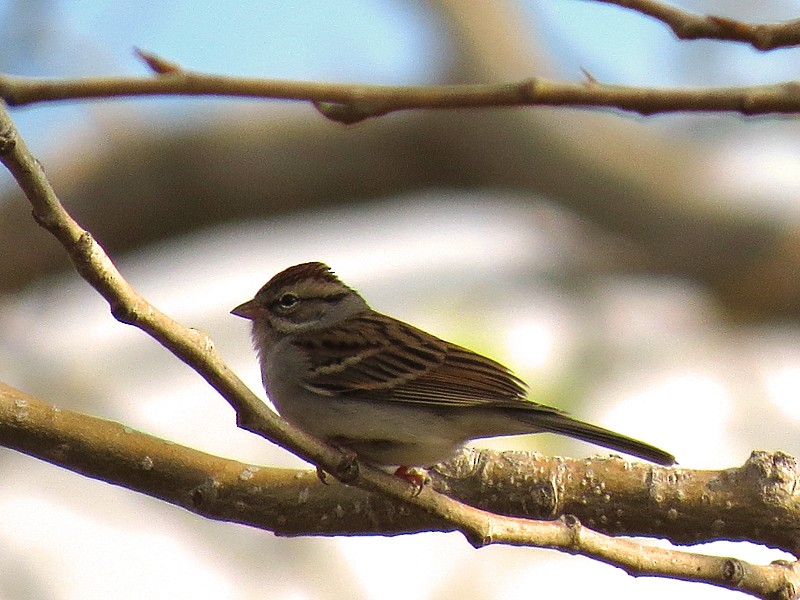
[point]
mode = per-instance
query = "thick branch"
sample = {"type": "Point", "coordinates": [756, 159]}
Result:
{"type": "Point", "coordinates": [755, 503]}
{"type": "Point", "coordinates": [612, 494]}
{"type": "Point", "coordinates": [691, 26]}
{"type": "Point", "coordinates": [679, 226]}
{"type": "Point", "coordinates": [285, 501]}
{"type": "Point", "coordinates": [349, 103]}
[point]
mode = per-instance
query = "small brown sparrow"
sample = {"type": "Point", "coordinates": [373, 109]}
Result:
{"type": "Point", "coordinates": [388, 391]}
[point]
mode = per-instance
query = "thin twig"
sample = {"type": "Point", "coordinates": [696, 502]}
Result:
{"type": "Point", "coordinates": [157, 64]}
{"type": "Point", "coordinates": [691, 26]}
{"type": "Point", "coordinates": [192, 346]}
{"type": "Point", "coordinates": [350, 103]}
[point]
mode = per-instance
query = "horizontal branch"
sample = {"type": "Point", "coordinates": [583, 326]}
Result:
{"type": "Point", "coordinates": [295, 502]}
{"type": "Point", "coordinates": [285, 501]}
{"type": "Point", "coordinates": [691, 26]}
{"type": "Point", "coordinates": [349, 103]}
{"type": "Point", "coordinates": [755, 503]}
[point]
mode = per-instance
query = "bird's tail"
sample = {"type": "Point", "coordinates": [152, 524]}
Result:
{"type": "Point", "coordinates": [558, 422]}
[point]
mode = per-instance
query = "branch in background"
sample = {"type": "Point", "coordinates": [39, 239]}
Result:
{"type": "Point", "coordinates": [691, 26]}
{"type": "Point", "coordinates": [478, 526]}
{"type": "Point", "coordinates": [674, 218]}
{"type": "Point", "coordinates": [351, 103]}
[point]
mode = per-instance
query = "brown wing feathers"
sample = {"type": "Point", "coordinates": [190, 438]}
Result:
{"type": "Point", "coordinates": [365, 353]}
{"type": "Point", "coordinates": [361, 354]}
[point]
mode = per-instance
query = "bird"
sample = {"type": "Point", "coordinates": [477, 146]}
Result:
{"type": "Point", "coordinates": [386, 390]}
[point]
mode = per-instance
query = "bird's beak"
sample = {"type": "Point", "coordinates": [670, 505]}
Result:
{"type": "Point", "coordinates": [248, 310]}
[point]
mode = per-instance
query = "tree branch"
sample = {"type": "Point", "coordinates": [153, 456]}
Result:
{"type": "Point", "coordinates": [691, 26]}
{"type": "Point", "coordinates": [208, 484]}
{"type": "Point", "coordinates": [286, 501]}
{"type": "Point", "coordinates": [190, 345]}
{"type": "Point", "coordinates": [613, 495]}
{"type": "Point", "coordinates": [350, 103]}
{"type": "Point", "coordinates": [756, 502]}
{"type": "Point", "coordinates": [479, 526]}
{"type": "Point", "coordinates": [678, 222]}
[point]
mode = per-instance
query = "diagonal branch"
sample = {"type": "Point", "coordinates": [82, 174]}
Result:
{"type": "Point", "coordinates": [190, 345]}
{"type": "Point", "coordinates": [691, 26]}
{"type": "Point", "coordinates": [479, 526]}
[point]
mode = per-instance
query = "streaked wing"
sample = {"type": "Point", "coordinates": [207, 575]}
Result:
{"type": "Point", "coordinates": [464, 378]}
{"type": "Point", "coordinates": [394, 361]}
{"type": "Point", "coordinates": [368, 352]}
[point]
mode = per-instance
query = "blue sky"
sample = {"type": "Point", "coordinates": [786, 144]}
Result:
{"type": "Point", "coordinates": [376, 41]}
{"type": "Point", "coordinates": [349, 40]}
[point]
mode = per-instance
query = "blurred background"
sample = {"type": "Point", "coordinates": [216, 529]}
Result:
{"type": "Point", "coordinates": [640, 273]}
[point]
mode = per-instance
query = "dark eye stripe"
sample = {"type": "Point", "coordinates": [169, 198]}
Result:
{"type": "Point", "coordinates": [330, 298]}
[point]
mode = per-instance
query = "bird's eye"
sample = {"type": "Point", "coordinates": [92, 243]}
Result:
{"type": "Point", "coordinates": [288, 300]}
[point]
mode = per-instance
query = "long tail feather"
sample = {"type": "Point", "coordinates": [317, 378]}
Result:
{"type": "Point", "coordinates": [566, 425]}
